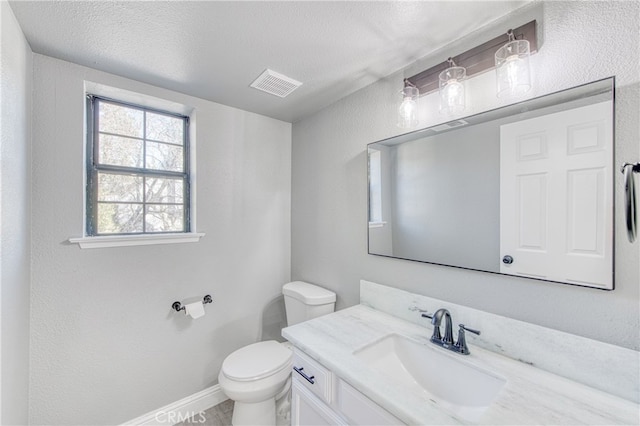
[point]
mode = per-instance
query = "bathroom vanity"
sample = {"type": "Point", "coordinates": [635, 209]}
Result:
{"type": "Point", "coordinates": [347, 371]}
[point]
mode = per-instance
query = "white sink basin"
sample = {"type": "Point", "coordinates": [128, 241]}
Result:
{"type": "Point", "coordinates": [443, 377]}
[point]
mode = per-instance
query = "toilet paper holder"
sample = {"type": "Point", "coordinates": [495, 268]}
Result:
{"type": "Point", "coordinates": [178, 306]}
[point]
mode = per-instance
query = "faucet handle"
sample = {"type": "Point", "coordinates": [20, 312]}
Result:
{"type": "Point", "coordinates": [461, 344]}
{"type": "Point", "coordinates": [470, 330]}
{"type": "Point", "coordinates": [436, 336]}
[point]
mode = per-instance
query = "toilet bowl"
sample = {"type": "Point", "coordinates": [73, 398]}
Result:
{"type": "Point", "coordinates": [256, 375]}
{"type": "Point", "coordinates": [252, 376]}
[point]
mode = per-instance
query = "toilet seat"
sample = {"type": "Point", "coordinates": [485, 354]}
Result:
{"type": "Point", "coordinates": [257, 361]}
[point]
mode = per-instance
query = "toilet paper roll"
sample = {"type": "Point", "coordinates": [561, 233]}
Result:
{"type": "Point", "coordinates": [194, 310]}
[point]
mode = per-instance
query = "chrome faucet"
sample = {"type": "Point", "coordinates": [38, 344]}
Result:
{"type": "Point", "coordinates": [447, 341]}
{"type": "Point", "coordinates": [436, 320]}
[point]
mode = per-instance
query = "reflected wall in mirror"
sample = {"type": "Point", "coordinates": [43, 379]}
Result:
{"type": "Point", "coordinates": [526, 190]}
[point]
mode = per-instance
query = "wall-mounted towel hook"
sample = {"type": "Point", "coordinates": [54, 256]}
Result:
{"type": "Point", "coordinates": [634, 167]}
{"type": "Point", "coordinates": [177, 306]}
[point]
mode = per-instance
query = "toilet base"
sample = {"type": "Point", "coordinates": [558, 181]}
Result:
{"type": "Point", "coordinates": [254, 413]}
{"type": "Point", "coordinates": [283, 410]}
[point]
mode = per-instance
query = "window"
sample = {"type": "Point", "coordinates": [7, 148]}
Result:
{"type": "Point", "coordinates": [137, 170]}
{"type": "Point", "coordinates": [375, 187]}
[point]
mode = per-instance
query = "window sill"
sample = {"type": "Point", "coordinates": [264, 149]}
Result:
{"type": "Point", "coordinates": [135, 240]}
{"type": "Point", "coordinates": [377, 224]}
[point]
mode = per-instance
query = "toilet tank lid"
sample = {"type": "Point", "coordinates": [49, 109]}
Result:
{"type": "Point", "coordinates": [308, 293]}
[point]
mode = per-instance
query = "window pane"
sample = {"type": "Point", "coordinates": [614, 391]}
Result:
{"type": "Point", "coordinates": [375, 186]}
{"type": "Point", "coordinates": [114, 187]}
{"type": "Point", "coordinates": [138, 175]}
{"type": "Point", "coordinates": [120, 120]}
{"type": "Point", "coordinates": [119, 218]}
{"type": "Point", "coordinates": [118, 151]}
{"type": "Point", "coordinates": [164, 190]}
{"type": "Point", "coordinates": [165, 128]}
{"type": "Point", "coordinates": [161, 156]}
{"type": "Point", "coordinates": [165, 218]}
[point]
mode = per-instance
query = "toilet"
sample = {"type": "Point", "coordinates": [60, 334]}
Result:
{"type": "Point", "coordinates": [258, 375]}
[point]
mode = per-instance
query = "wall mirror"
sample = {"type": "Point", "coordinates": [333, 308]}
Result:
{"type": "Point", "coordinates": [525, 190]}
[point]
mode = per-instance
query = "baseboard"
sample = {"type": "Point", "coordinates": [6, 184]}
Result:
{"type": "Point", "coordinates": [183, 409]}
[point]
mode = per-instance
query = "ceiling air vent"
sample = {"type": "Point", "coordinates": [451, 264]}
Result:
{"type": "Point", "coordinates": [275, 83]}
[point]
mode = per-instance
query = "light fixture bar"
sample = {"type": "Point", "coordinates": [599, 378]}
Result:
{"type": "Point", "coordinates": [475, 60]}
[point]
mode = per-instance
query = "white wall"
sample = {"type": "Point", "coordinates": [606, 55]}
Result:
{"type": "Point", "coordinates": [581, 42]}
{"type": "Point", "coordinates": [15, 217]}
{"type": "Point", "coordinates": [105, 345]}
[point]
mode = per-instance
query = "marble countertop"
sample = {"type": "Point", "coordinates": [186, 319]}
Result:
{"type": "Point", "coordinates": [530, 395]}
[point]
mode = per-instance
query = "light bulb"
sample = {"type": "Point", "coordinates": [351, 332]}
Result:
{"type": "Point", "coordinates": [512, 67]}
{"type": "Point", "coordinates": [407, 113]}
{"type": "Point", "coordinates": [452, 96]}
{"type": "Point", "coordinates": [512, 70]}
{"type": "Point", "coordinates": [408, 109]}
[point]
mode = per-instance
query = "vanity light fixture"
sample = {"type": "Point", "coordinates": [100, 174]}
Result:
{"type": "Point", "coordinates": [452, 97]}
{"type": "Point", "coordinates": [408, 109]}
{"type": "Point", "coordinates": [508, 53]}
{"type": "Point", "coordinates": [512, 67]}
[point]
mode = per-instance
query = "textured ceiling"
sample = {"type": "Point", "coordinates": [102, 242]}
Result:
{"type": "Point", "coordinates": [214, 50]}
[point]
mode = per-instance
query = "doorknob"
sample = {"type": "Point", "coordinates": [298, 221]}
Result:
{"type": "Point", "coordinates": [507, 260]}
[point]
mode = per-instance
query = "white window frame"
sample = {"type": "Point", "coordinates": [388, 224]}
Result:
{"type": "Point", "coordinates": [149, 103]}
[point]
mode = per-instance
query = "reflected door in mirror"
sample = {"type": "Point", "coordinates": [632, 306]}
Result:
{"type": "Point", "coordinates": [555, 178]}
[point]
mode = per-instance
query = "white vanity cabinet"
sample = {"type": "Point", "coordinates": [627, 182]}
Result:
{"type": "Point", "coordinates": [319, 397]}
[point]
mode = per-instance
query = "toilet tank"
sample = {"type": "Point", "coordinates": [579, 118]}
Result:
{"type": "Point", "coordinates": [304, 301]}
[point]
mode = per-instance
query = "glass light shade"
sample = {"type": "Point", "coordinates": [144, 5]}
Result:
{"type": "Point", "coordinates": [408, 110]}
{"type": "Point", "coordinates": [512, 68]}
{"type": "Point", "coordinates": [452, 96]}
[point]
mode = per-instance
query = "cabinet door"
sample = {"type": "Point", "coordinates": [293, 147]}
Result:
{"type": "Point", "coordinates": [360, 410]}
{"type": "Point", "coordinates": [308, 409]}
{"type": "Point", "coordinates": [321, 382]}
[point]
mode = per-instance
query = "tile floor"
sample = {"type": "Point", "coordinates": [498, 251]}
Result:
{"type": "Point", "coordinates": [220, 415]}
